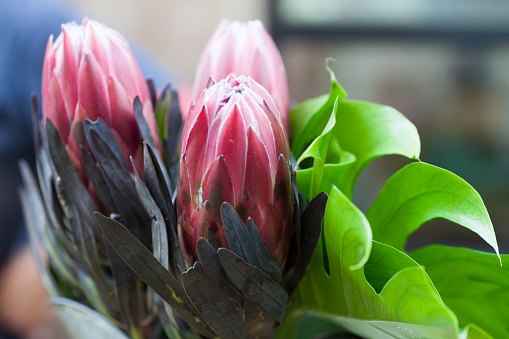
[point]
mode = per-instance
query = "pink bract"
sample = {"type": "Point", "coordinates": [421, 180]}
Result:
{"type": "Point", "coordinates": [89, 72]}
{"type": "Point", "coordinates": [234, 149]}
{"type": "Point", "coordinates": [245, 49]}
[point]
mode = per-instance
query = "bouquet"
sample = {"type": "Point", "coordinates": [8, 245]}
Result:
{"type": "Point", "coordinates": [233, 216]}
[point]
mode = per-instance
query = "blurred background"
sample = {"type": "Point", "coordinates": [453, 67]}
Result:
{"type": "Point", "coordinates": [443, 63]}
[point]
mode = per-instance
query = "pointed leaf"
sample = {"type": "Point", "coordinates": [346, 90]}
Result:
{"type": "Point", "coordinates": [213, 304]}
{"type": "Point", "coordinates": [212, 266]}
{"type": "Point", "coordinates": [159, 235]}
{"type": "Point", "coordinates": [421, 192]}
{"type": "Point", "coordinates": [237, 235]}
{"type": "Point", "coordinates": [268, 263]}
{"type": "Point", "coordinates": [317, 150]}
{"type": "Point", "coordinates": [146, 266]}
{"type": "Point", "coordinates": [368, 131]}
{"type": "Point", "coordinates": [255, 284]}
{"type": "Point", "coordinates": [142, 123]}
{"type": "Point", "coordinates": [311, 221]}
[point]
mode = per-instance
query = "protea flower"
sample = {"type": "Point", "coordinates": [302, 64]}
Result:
{"type": "Point", "coordinates": [234, 149]}
{"type": "Point", "coordinates": [90, 72]}
{"type": "Point", "coordinates": [245, 49]}
{"type": "Point", "coordinates": [92, 124]}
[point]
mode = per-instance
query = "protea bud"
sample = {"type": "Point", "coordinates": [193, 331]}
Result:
{"type": "Point", "coordinates": [234, 149]}
{"type": "Point", "coordinates": [90, 72]}
{"type": "Point", "coordinates": [245, 49]}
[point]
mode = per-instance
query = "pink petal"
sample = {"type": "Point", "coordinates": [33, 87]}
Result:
{"type": "Point", "coordinates": [231, 143]}
{"type": "Point", "coordinates": [258, 180]}
{"type": "Point", "coordinates": [69, 76]}
{"type": "Point", "coordinates": [93, 89]}
{"type": "Point", "coordinates": [194, 148]}
{"type": "Point", "coordinates": [216, 187]}
{"type": "Point", "coordinates": [122, 116]}
{"type": "Point", "coordinates": [55, 108]}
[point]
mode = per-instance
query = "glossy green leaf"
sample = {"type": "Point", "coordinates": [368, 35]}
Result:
{"type": "Point", "coordinates": [421, 192]}
{"type": "Point", "coordinates": [82, 322]}
{"type": "Point", "coordinates": [310, 117]}
{"type": "Point", "coordinates": [474, 332]}
{"type": "Point", "coordinates": [366, 130]}
{"type": "Point", "coordinates": [337, 289]}
{"type": "Point", "coordinates": [330, 163]}
{"type": "Point", "coordinates": [472, 284]}
{"type": "Point", "coordinates": [369, 130]}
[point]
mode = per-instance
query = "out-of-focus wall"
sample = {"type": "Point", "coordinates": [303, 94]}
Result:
{"type": "Point", "coordinates": [175, 31]}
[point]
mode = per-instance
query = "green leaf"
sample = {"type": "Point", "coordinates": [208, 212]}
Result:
{"type": "Point", "coordinates": [312, 115]}
{"type": "Point", "coordinates": [472, 284]}
{"type": "Point", "coordinates": [473, 332]}
{"type": "Point", "coordinates": [330, 163]}
{"type": "Point", "coordinates": [368, 131]}
{"type": "Point", "coordinates": [407, 302]}
{"type": "Point", "coordinates": [162, 112]}
{"type": "Point", "coordinates": [421, 192]}
{"type": "Point", "coordinates": [82, 322]}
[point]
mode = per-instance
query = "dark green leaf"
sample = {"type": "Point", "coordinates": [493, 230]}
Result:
{"type": "Point", "coordinates": [97, 179]}
{"type": "Point", "coordinates": [148, 268]}
{"type": "Point", "coordinates": [118, 180]}
{"type": "Point", "coordinates": [213, 304]}
{"type": "Point", "coordinates": [421, 192]}
{"type": "Point", "coordinates": [257, 285]}
{"type": "Point", "coordinates": [142, 123]}
{"type": "Point", "coordinates": [237, 235]}
{"type": "Point", "coordinates": [311, 221]}
{"type": "Point", "coordinates": [79, 206]}
{"type": "Point", "coordinates": [212, 266]}
{"type": "Point", "coordinates": [159, 234]}
{"type": "Point", "coordinates": [102, 132]}
{"type": "Point", "coordinates": [294, 251]}
{"type": "Point", "coordinates": [267, 262]}
{"type": "Point", "coordinates": [156, 184]}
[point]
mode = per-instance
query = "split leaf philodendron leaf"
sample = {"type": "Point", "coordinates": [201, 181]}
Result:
{"type": "Point", "coordinates": [421, 192]}
{"type": "Point", "coordinates": [472, 284]}
{"type": "Point", "coordinates": [306, 116]}
{"type": "Point", "coordinates": [366, 130]}
{"type": "Point", "coordinates": [335, 286]}
{"type": "Point", "coordinates": [331, 165]}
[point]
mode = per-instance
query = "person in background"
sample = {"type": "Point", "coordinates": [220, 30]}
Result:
{"type": "Point", "coordinates": [25, 26]}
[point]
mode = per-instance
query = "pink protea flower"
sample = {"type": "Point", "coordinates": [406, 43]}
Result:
{"type": "Point", "coordinates": [245, 49]}
{"type": "Point", "coordinates": [89, 72]}
{"type": "Point", "coordinates": [234, 149]}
